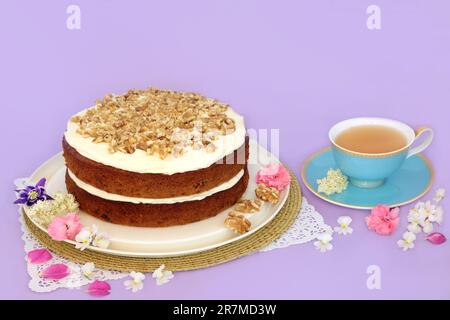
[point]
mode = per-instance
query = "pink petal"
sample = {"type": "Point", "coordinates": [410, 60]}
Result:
{"type": "Point", "coordinates": [73, 225]}
{"type": "Point", "coordinates": [57, 229]}
{"type": "Point", "coordinates": [436, 238]}
{"type": "Point", "coordinates": [99, 288]}
{"type": "Point", "coordinates": [380, 210]}
{"type": "Point", "coordinates": [39, 256]}
{"type": "Point", "coordinates": [395, 211]}
{"type": "Point", "coordinates": [271, 169]}
{"type": "Point", "coordinates": [56, 271]}
{"type": "Point", "coordinates": [71, 218]}
{"type": "Point", "coordinates": [394, 222]}
{"type": "Point", "coordinates": [372, 222]}
{"type": "Point", "coordinates": [73, 230]}
{"type": "Point", "coordinates": [383, 229]}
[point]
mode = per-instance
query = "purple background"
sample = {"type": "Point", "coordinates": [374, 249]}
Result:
{"type": "Point", "coordinates": [295, 65]}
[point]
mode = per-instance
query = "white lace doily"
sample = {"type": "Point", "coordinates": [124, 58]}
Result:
{"type": "Point", "coordinates": [307, 226]}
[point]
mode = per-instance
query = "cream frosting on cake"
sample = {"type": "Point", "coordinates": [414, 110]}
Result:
{"type": "Point", "coordinates": [116, 197]}
{"type": "Point", "coordinates": [141, 162]}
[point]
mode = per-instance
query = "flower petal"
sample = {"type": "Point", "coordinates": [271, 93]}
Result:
{"type": "Point", "coordinates": [57, 229]}
{"type": "Point", "coordinates": [55, 272]}
{"type": "Point", "coordinates": [394, 212]}
{"type": "Point", "coordinates": [436, 238]}
{"type": "Point", "coordinates": [73, 225]}
{"type": "Point", "coordinates": [39, 256]}
{"type": "Point", "coordinates": [99, 288]}
{"type": "Point", "coordinates": [41, 183]}
{"type": "Point", "coordinates": [46, 197]}
{"type": "Point", "coordinates": [21, 201]}
{"type": "Point", "coordinates": [344, 220]}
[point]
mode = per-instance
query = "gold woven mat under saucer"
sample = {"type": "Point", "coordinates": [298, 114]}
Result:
{"type": "Point", "coordinates": [245, 246]}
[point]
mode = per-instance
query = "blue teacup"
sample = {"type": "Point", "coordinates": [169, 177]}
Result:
{"type": "Point", "coordinates": [370, 170]}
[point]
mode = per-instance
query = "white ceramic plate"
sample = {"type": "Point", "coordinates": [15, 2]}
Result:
{"type": "Point", "coordinates": [168, 241]}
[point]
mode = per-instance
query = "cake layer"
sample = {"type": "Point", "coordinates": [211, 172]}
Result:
{"type": "Point", "coordinates": [115, 197]}
{"type": "Point", "coordinates": [157, 215]}
{"type": "Point", "coordinates": [155, 186]}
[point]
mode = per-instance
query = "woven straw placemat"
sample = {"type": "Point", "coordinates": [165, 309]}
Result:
{"type": "Point", "coordinates": [234, 250]}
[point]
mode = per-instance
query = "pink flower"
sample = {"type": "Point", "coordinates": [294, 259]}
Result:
{"type": "Point", "coordinates": [63, 228]}
{"type": "Point", "coordinates": [274, 175]}
{"type": "Point", "coordinates": [383, 220]}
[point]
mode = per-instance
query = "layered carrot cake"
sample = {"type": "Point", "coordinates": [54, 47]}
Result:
{"type": "Point", "coordinates": [155, 158]}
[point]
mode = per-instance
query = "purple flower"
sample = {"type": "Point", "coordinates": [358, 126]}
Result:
{"type": "Point", "coordinates": [32, 194]}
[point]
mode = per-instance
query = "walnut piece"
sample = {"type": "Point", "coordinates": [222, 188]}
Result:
{"type": "Point", "coordinates": [266, 193]}
{"type": "Point", "coordinates": [159, 122]}
{"type": "Point", "coordinates": [237, 222]}
{"type": "Point", "coordinates": [248, 206]}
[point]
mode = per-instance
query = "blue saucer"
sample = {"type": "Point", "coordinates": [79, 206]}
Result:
{"type": "Point", "coordinates": [408, 184]}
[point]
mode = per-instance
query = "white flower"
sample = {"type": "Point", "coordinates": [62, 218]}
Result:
{"type": "Point", "coordinates": [344, 225]}
{"type": "Point", "coordinates": [427, 227]}
{"type": "Point", "coordinates": [436, 215]}
{"type": "Point", "coordinates": [421, 218]}
{"type": "Point", "coordinates": [440, 194]}
{"type": "Point", "coordinates": [414, 217]}
{"type": "Point", "coordinates": [101, 240]}
{"type": "Point", "coordinates": [137, 283]}
{"type": "Point", "coordinates": [416, 221]}
{"type": "Point", "coordinates": [425, 209]}
{"type": "Point", "coordinates": [44, 211]}
{"type": "Point", "coordinates": [419, 213]}
{"type": "Point", "coordinates": [162, 276]}
{"type": "Point", "coordinates": [324, 245]}
{"type": "Point", "coordinates": [94, 229]}
{"type": "Point", "coordinates": [334, 182]}
{"type": "Point", "coordinates": [84, 237]}
{"type": "Point", "coordinates": [408, 241]}
{"type": "Point", "coordinates": [414, 227]}
{"type": "Point", "coordinates": [87, 269]}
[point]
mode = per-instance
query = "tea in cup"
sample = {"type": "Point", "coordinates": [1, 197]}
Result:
{"type": "Point", "coordinates": [369, 150]}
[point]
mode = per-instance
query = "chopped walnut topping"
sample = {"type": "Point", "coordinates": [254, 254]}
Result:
{"type": "Point", "coordinates": [248, 206]}
{"type": "Point", "coordinates": [266, 193]}
{"type": "Point", "coordinates": [237, 222]}
{"type": "Point", "coordinates": [159, 122]}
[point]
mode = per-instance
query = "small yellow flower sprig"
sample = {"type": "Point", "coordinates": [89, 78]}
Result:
{"type": "Point", "coordinates": [334, 182]}
{"type": "Point", "coordinates": [44, 211]}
